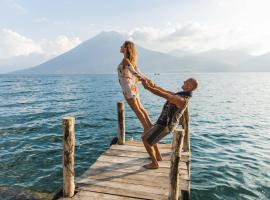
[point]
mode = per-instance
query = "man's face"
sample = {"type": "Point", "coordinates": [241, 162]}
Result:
{"type": "Point", "coordinates": [187, 86]}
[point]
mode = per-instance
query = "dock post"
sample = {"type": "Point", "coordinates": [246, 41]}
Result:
{"type": "Point", "coordinates": [177, 145]}
{"type": "Point", "coordinates": [186, 127]}
{"type": "Point", "coordinates": [68, 156]}
{"type": "Point", "coordinates": [186, 145]}
{"type": "Point", "coordinates": [121, 122]}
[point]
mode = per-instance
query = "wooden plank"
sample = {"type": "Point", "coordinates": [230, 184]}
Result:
{"type": "Point", "coordinates": [140, 144]}
{"type": "Point", "coordinates": [136, 179]}
{"type": "Point", "coordinates": [135, 161]}
{"type": "Point", "coordinates": [142, 149]}
{"type": "Point", "coordinates": [102, 167]}
{"type": "Point", "coordinates": [84, 184]}
{"type": "Point", "coordinates": [86, 195]}
{"type": "Point", "coordinates": [124, 191]}
{"type": "Point", "coordinates": [137, 148]}
{"type": "Point", "coordinates": [139, 154]}
{"type": "Point", "coordinates": [139, 175]}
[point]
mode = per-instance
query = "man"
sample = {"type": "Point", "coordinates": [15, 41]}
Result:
{"type": "Point", "coordinates": [169, 117]}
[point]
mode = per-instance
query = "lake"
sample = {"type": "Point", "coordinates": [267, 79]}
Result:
{"type": "Point", "coordinates": [230, 130]}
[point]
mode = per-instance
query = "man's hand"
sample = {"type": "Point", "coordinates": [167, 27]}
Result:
{"type": "Point", "coordinates": [151, 83]}
{"type": "Point", "coordinates": [147, 83]}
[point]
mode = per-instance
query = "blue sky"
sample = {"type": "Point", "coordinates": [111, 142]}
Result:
{"type": "Point", "coordinates": [38, 30]}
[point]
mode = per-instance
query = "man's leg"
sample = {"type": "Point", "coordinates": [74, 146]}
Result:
{"type": "Point", "coordinates": [150, 140]}
{"type": "Point", "coordinates": [158, 154]}
{"type": "Point", "coordinates": [150, 150]}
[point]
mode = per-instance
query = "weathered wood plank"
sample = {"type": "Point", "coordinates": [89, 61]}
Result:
{"type": "Point", "coordinates": [140, 144]}
{"type": "Point", "coordinates": [105, 166]}
{"type": "Point", "coordinates": [141, 148]}
{"type": "Point", "coordinates": [88, 195]}
{"type": "Point", "coordinates": [135, 161]}
{"type": "Point", "coordinates": [154, 182]}
{"type": "Point", "coordinates": [140, 154]}
{"type": "Point", "coordinates": [124, 191]}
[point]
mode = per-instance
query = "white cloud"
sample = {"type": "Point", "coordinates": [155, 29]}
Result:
{"type": "Point", "coordinates": [13, 44]}
{"type": "Point", "coordinates": [17, 7]}
{"type": "Point", "coordinates": [41, 20]}
{"type": "Point", "coordinates": [59, 45]}
{"type": "Point", "coordinates": [196, 37]}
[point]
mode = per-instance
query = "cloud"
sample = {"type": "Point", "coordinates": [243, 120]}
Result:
{"type": "Point", "coordinates": [197, 37]}
{"type": "Point", "coordinates": [41, 20]}
{"type": "Point", "coordinates": [59, 45]}
{"type": "Point", "coordinates": [17, 7]}
{"type": "Point", "coordinates": [13, 44]}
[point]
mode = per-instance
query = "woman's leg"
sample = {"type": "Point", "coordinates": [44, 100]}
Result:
{"type": "Point", "coordinates": [146, 116]}
{"type": "Point", "coordinates": [135, 107]}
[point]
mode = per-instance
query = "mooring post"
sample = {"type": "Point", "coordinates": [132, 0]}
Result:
{"type": "Point", "coordinates": [68, 156]}
{"type": "Point", "coordinates": [177, 145]}
{"type": "Point", "coordinates": [186, 146]}
{"type": "Point", "coordinates": [121, 122]}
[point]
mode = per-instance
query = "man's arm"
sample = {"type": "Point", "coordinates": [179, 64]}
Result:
{"type": "Point", "coordinates": [169, 96]}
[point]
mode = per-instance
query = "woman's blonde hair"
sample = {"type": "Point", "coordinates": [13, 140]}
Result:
{"type": "Point", "coordinates": [131, 53]}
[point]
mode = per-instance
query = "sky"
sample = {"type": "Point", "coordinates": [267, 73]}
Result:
{"type": "Point", "coordinates": [32, 31]}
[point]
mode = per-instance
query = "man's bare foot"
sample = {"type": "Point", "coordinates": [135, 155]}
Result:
{"type": "Point", "coordinates": [151, 166]}
{"type": "Point", "coordinates": [159, 157]}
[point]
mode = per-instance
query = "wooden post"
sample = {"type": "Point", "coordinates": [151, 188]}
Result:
{"type": "Point", "coordinates": [68, 156]}
{"type": "Point", "coordinates": [185, 125]}
{"type": "Point", "coordinates": [186, 146]}
{"type": "Point", "coordinates": [177, 145]}
{"type": "Point", "coordinates": [121, 122]}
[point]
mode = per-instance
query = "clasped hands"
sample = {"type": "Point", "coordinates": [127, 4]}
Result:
{"type": "Point", "coordinates": [147, 83]}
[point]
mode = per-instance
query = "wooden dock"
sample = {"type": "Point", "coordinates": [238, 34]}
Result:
{"type": "Point", "coordinates": [118, 172]}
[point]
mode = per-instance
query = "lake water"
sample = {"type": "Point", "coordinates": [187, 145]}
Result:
{"type": "Point", "coordinates": [230, 130]}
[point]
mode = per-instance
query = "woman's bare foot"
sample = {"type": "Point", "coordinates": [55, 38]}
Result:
{"type": "Point", "coordinates": [151, 166]}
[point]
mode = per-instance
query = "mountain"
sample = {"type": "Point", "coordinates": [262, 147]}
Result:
{"type": "Point", "coordinates": [232, 57]}
{"type": "Point", "coordinates": [257, 64]}
{"type": "Point", "coordinates": [21, 62]}
{"type": "Point", "coordinates": [101, 55]}
{"type": "Point", "coordinates": [97, 55]}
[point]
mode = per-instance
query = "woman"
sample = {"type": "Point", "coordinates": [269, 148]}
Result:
{"type": "Point", "coordinates": [129, 75]}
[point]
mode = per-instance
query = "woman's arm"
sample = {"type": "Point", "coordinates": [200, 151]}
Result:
{"type": "Point", "coordinates": [153, 85]}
